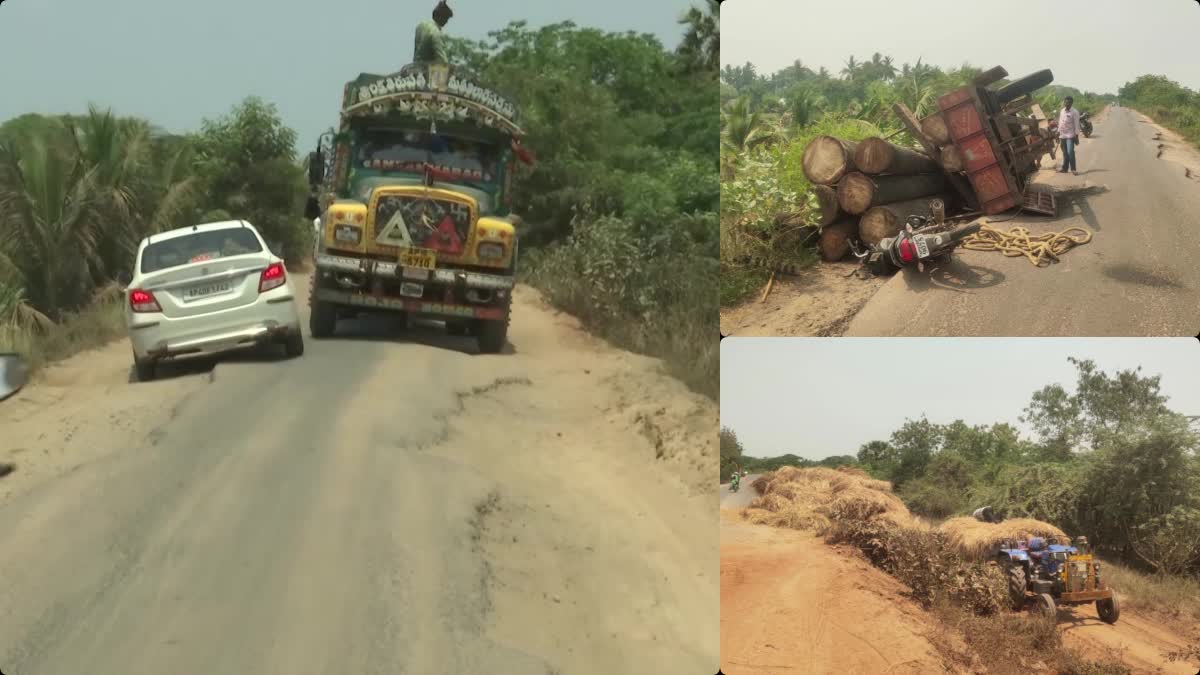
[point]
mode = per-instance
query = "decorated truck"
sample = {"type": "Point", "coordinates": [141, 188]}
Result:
{"type": "Point", "coordinates": [411, 203]}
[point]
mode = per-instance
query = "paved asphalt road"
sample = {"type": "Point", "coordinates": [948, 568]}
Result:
{"type": "Point", "coordinates": [379, 506]}
{"type": "Point", "coordinates": [1140, 275]}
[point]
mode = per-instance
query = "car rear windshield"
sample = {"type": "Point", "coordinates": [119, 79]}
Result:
{"type": "Point", "coordinates": [198, 247]}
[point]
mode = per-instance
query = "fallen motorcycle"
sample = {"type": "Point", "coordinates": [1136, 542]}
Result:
{"type": "Point", "coordinates": [919, 242]}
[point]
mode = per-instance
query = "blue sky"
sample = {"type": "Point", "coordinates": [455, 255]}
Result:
{"type": "Point", "coordinates": [177, 62]}
{"type": "Point", "coordinates": [817, 397]}
{"type": "Point", "coordinates": [1096, 45]}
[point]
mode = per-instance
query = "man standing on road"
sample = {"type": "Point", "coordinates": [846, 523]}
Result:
{"type": "Point", "coordinates": [430, 42]}
{"type": "Point", "coordinates": [1068, 134]}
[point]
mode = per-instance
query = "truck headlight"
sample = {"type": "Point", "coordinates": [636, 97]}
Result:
{"type": "Point", "coordinates": [492, 251]}
{"type": "Point", "coordinates": [347, 234]}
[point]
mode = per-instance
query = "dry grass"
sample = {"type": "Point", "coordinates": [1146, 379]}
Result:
{"type": "Point", "coordinates": [811, 499]}
{"type": "Point", "coordinates": [92, 327]}
{"type": "Point", "coordinates": [1174, 598]}
{"type": "Point", "coordinates": [977, 540]}
{"type": "Point", "coordinates": [1014, 644]}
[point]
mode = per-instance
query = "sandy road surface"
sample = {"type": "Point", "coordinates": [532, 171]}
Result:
{"type": "Point", "coordinates": [791, 604]}
{"type": "Point", "coordinates": [398, 506]}
{"type": "Point", "coordinates": [1137, 277]}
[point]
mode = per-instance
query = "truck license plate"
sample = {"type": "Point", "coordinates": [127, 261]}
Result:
{"type": "Point", "coordinates": [411, 290]}
{"type": "Point", "coordinates": [420, 258]}
{"type": "Point", "coordinates": [922, 246]}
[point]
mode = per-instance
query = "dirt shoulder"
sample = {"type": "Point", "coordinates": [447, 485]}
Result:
{"type": "Point", "coordinates": [819, 302]}
{"type": "Point", "coordinates": [789, 603]}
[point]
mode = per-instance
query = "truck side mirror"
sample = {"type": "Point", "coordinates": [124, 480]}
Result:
{"type": "Point", "coordinates": [311, 208]}
{"type": "Point", "coordinates": [316, 167]}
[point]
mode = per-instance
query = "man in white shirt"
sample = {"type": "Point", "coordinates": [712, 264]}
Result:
{"type": "Point", "coordinates": [1068, 134]}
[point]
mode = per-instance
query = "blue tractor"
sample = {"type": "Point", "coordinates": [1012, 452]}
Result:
{"type": "Point", "coordinates": [1055, 574]}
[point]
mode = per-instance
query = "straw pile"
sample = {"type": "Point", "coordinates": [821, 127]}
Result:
{"type": "Point", "coordinates": [978, 540]}
{"type": "Point", "coordinates": [810, 498]}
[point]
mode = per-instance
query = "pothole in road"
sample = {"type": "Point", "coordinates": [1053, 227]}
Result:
{"type": "Point", "coordinates": [7, 468]}
{"type": "Point", "coordinates": [1133, 274]}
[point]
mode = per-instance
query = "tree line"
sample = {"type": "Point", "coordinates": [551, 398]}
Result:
{"type": "Point", "coordinates": [1110, 460]}
{"type": "Point", "coordinates": [622, 202]}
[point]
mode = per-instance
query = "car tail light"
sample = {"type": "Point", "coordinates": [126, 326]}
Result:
{"type": "Point", "coordinates": [272, 277]}
{"type": "Point", "coordinates": [908, 250]}
{"type": "Point", "coordinates": [143, 301]}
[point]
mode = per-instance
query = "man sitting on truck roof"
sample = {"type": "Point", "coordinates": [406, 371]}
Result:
{"type": "Point", "coordinates": [430, 42]}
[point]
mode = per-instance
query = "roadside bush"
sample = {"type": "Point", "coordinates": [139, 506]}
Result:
{"type": "Point", "coordinates": [653, 297]}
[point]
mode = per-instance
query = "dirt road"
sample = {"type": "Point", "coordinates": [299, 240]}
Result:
{"type": "Point", "coordinates": [384, 504]}
{"type": "Point", "coordinates": [791, 604]}
{"type": "Point", "coordinates": [1138, 276]}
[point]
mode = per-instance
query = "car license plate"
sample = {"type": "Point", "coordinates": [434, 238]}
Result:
{"type": "Point", "coordinates": [922, 246]}
{"type": "Point", "coordinates": [414, 273]}
{"type": "Point", "coordinates": [420, 258]}
{"type": "Point", "coordinates": [411, 290]}
{"type": "Point", "coordinates": [196, 292]}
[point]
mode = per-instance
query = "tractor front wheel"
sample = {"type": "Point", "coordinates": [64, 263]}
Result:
{"type": "Point", "coordinates": [1109, 609]}
{"type": "Point", "coordinates": [1016, 586]}
{"type": "Point", "coordinates": [1046, 606]}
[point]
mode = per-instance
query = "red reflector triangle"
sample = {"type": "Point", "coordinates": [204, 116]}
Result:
{"type": "Point", "coordinates": [445, 239]}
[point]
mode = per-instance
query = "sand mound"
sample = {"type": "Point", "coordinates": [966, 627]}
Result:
{"type": "Point", "coordinates": [975, 539]}
{"type": "Point", "coordinates": [810, 498]}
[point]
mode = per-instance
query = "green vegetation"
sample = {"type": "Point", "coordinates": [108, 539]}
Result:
{"type": "Point", "coordinates": [1168, 103]}
{"type": "Point", "coordinates": [621, 206]}
{"type": "Point", "coordinates": [768, 120]}
{"type": "Point", "coordinates": [624, 196]}
{"type": "Point", "coordinates": [1110, 461]}
{"type": "Point", "coordinates": [732, 455]}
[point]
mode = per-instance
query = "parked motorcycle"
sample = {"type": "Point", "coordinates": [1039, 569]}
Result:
{"type": "Point", "coordinates": [14, 373]}
{"type": "Point", "coordinates": [919, 242]}
{"type": "Point", "coordinates": [1085, 123]}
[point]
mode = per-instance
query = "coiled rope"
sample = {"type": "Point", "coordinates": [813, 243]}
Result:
{"type": "Point", "coordinates": [1040, 250]}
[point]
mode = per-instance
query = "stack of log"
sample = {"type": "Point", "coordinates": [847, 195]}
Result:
{"type": "Point", "coordinates": [868, 189]}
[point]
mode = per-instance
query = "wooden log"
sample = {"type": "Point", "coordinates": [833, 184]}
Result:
{"type": "Point", "coordinates": [877, 156]}
{"type": "Point", "coordinates": [835, 239]}
{"type": "Point", "coordinates": [827, 159]}
{"type": "Point", "coordinates": [935, 128]}
{"type": "Point", "coordinates": [887, 220]}
{"type": "Point", "coordinates": [951, 159]}
{"type": "Point", "coordinates": [989, 76]}
{"type": "Point", "coordinates": [827, 200]}
{"type": "Point", "coordinates": [858, 192]}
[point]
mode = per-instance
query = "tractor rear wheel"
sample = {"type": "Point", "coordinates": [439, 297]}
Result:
{"type": "Point", "coordinates": [1109, 609]}
{"type": "Point", "coordinates": [1046, 606]}
{"type": "Point", "coordinates": [1016, 586]}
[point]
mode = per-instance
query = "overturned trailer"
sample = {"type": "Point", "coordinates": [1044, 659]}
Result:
{"type": "Point", "coordinates": [994, 138]}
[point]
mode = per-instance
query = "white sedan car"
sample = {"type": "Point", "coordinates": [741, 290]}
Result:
{"type": "Point", "coordinates": [207, 289]}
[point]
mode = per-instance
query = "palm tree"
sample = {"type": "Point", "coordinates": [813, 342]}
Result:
{"type": "Point", "coordinates": [742, 128]}
{"type": "Point", "coordinates": [701, 46]}
{"type": "Point", "coordinates": [851, 68]}
{"type": "Point", "coordinates": [49, 232]}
